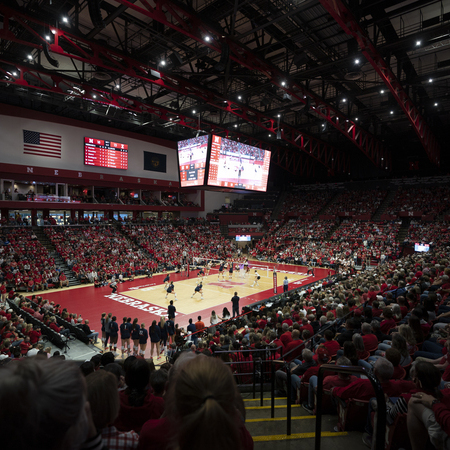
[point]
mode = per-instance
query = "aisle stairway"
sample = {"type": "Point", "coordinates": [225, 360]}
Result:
{"type": "Point", "coordinates": [59, 262]}
{"type": "Point", "coordinates": [330, 202]}
{"type": "Point", "coordinates": [270, 434]}
{"type": "Point", "coordinates": [403, 232]}
{"type": "Point", "coordinates": [279, 205]}
{"type": "Point", "coordinates": [383, 205]}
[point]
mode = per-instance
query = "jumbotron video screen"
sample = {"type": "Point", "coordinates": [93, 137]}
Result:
{"type": "Point", "coordinates": [192, 161]}
{"type": "Point", "coordinates": [238, 166]}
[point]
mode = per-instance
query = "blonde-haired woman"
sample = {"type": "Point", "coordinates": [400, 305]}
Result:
{"type": "Point", "coordinates": [164, 329]}
{"type": "Point", "coordinates": [202, 391]}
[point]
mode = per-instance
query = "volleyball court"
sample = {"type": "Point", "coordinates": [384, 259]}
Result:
{"type": "Point", "coordinates": [145, 298]}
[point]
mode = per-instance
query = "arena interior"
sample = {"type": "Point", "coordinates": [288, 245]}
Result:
{"type": "Point", "coordinates": [151, 299]}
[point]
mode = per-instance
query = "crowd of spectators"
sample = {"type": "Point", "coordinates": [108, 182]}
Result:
{"type": "Point", "coordinates": [394, 321]}
{"type": "Point", "coordinates": [306, 202]}
{"type": "Point", "coordinates": [25, 263]}
{"type": "Point", "coordinates": [436, 233]}
{"type": "Point", "coordinates": [167, 241]}
{"type": "Point", "coordinates": [357, 202]}
{"type": "Point", "coordinates": [431, 200]}
{"type": "Point", "coordinates": [98, 252]}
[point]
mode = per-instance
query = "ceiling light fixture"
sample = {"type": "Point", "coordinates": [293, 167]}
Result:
{"type": "Point", "coordinates": [356, 61]}
{"type": "Point", "coordinates": [382, 91]}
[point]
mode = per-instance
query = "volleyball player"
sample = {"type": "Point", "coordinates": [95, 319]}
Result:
{"type": "Point", "coordinates": [125, 334]}
{"type": "Point", "coordinates": [222, 265]}
{"type": "Point", "coordinates": [198, 288]}
{"type": "Point", "coordinates": [113, 335]}
{"type": "Point", "coordinates": [166, 281]}
{"type": "Point", "coordinates": [257, 278]}
{"type": "Point", "coordinates": [246, 267]}
{"type": "Point", "coordinates": [143, 338]}
{"type": "Point", "coordinates": [230, 271]}
{"type": "Point", "coordinates": [208, 268]}
{"type": "Point", "coordinates": [171, 290]}
{"type": "Point", "coordinates": [201, 273]}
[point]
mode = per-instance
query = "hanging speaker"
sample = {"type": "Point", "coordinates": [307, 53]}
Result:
{"type": "Point", "coordinates": [224, 57]}
{"type": "Point", "coordinates": [51, 60]}
{"type": "Point", "coordinates": [96, 14]}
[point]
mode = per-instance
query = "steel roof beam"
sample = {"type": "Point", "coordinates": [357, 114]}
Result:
{"type": "Point", "coordinates": [347, 21]}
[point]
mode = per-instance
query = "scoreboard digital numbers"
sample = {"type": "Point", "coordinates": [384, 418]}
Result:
{"type": "Point", "coordinates": [101, 153]}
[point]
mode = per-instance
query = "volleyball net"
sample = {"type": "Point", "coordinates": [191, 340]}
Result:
{"type": "Point", "coordinates": [238, 266]}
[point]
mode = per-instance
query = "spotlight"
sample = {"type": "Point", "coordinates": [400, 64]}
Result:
{"type": "Point", "coordinates": [270, 135]}
{"type": "Point", "coordinates": [344, 100]}
{"type": "Point", "coordinates": [162, 62]}
{"type": "Point", "coordinates": [239, 97]}
{"type": "Point", "coordinates": [194, 111]}
{"type": "Point", "coordinates": [356, 61]}
{"type": "Point", "coordinates": [436, 104]}
{"type": "Point", "coordinates": [279, 115]}
{"type": "Point", "coordinates": [47, 37]}
{"type": "Point", "coordinates": [382, 91]}
{"type": "Point", "coordinates": [15, 74]}
{"type": "Point", "coordinates": [430, 80]}
{"type": "Point", "coordinates": [235, 125]}
{"type": "Point", "coordinates": [392, 112]}
{"type": "Point", "coordinates": [30, 57]}
{"type": "Point", "coordinates": [283, 83]}
{"type": "Point", "coordinates": [356, 118]}
{"type": "Point", "coordinates": [65, 19]}
{"type": "Point", "coordinates": [207, 38]}
{"type": "Point", "coordinates": [117, 86]}
{"type": "Point", "coordinates": [418, 43]}
{"type": "Point", "coordinates": [94, 96]}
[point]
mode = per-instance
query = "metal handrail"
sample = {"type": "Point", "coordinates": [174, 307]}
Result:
{"type": "Point", "coordinates": [379, 394]}
{"type": "Point", "coordinates": [310, 339]}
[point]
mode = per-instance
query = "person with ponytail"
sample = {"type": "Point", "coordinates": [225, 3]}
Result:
{"type": "Point", "coordinates": [201, 390]}
{"type": "Point", "coordinates": [137, 403]}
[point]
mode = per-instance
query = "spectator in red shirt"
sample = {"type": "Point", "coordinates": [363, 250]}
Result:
{"type": "Point", "coordinates": [306, 326]}
{"type": "Point", "coordinates": [332, 346]}
{"type": "Point", "coordinates": [369, 339]}
{"type": "Point", "coordinates": [295, 347]}
{"type": "Point", "coordinates": [286, 337]}
{"type": "Point", "coordinates": [362, 389]}
{"type": "Point", "coordinates": [388, 321]}
{"type": "Point", "coordinates": [25, 346]}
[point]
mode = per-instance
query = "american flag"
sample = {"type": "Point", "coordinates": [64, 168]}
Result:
{"type": "Point", "coordinates": [41, 144]}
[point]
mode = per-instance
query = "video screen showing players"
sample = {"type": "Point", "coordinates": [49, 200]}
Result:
{"type": "Point", "coordinates": [238, 166]}
{"type": "Point", "coordinates": [421, 247]}
{"type": "Point", "coordinates": [192, 160]}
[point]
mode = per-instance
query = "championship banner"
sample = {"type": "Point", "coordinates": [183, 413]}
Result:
{"type": "Point", "coordinates": [274, 281]}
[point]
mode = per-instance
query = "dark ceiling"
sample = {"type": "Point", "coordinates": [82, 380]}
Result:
{"type": "Point", "coordinates": [345, 90]}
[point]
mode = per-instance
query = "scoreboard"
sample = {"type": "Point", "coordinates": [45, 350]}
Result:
{"type": "Point", "coordinates": [102, 153]}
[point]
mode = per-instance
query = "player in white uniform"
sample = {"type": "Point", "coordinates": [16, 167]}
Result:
{"type": "Point", "coordinates": [257, 278]}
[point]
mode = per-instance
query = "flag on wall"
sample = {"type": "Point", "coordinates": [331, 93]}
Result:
{"type": "Point", "coordinates": [155, 162]}
{"type": "Point", "coordinates": [41, 144]}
